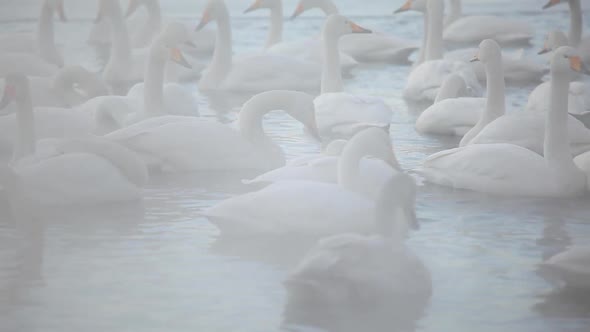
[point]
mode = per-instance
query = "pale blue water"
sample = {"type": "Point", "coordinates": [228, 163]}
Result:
{"type": "Point", "coordinates": [159, 266]}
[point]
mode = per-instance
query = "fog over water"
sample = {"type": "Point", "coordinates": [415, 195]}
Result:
{"type": "Point", "coordinates": [160, 265]}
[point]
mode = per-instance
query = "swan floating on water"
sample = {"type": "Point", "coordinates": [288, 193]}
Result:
{"type": "Point", "coordinates": [508, 169]}
{"type": "Point", "coordinates": [572, 267]}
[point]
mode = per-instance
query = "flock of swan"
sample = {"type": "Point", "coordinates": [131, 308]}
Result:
{"type": "Point", "coordinates": [75, 137]}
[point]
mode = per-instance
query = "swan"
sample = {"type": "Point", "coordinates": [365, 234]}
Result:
{"type": "Point", "coordinates": [307, 50]}
{"type": "Point", "coordinates": [180, 144]}
{"type": "Point", "coordinates": [475, 28]}
{"type": "Point", "coordinates": [575, 38]}
{"type": "Point", "coordinates": [41, 44]}
{"type": "Point", "coordinates": [579, 94]}
{"type": "Point", "coordinates": [376, 47]}
{"type": "Point", "coordinates": [86, 171]}
{"type": "Point", "coordinates": [426, 78]}
{"type": "Point", "coordinates": [71, 86]}
{"type": "Point", "coordinates": [304, 207]}
{"type": "Point", "coordinates": [348, 268]}
{"type": "Point", "coordinates": [254, 73]}
{"type": "Point", "coordinates": [451, 114]}
{"type": "Point", "coordinates": [508, 169]}
{"type": "Point", "coordinates": [339, 113]}
{"type": "Point", "coordinates": [572, 267]}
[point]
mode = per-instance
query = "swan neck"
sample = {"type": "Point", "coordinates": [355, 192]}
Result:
{"type": "Point", "coordinates": [331, 74]}
{"type": "Point", "coordinates": [557, 149]}
{"type": "Point", "coordinates": [252, 113]}
{"type": "Point", "coordinates": [121, 48]}
{"type": "Point", "coordinates": [154, 83]}
{"type": "Point", "coordinates": [349, 168]}
{"type": "Point", "coordinates": [434, 47]}
{"type": "Point", "coordinates": [24, 145]}
{"type": "Point", "coordinates": [575, 33]}
{"type": "Point", "coordinates": [276, 25]}
{"type": "Point", "coordinates": [221, 62]}
{"type": "Point", "coordinates": [422, 52]}
{"type": "Point", "coordinates": [328, 7]}
{"type": "Point", "coordinates": [45, 33]}
{"type": "Point", "coordinates": [455, 13]}
{"type": "Point", "coordinates": [496, 90]}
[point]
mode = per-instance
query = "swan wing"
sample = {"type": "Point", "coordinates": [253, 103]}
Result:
{"type": "Point", "coordinates": [453, 116]}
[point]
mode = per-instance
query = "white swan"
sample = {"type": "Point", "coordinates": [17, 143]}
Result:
{"type": "Point", "coordinates": [307, 50]}
{"type": "Point", "coordinates": [475, 28]}
{"type": "Point", "coordinates": [376, 47]}
{"type": "Point", "coordinates": [70, 87]}
{"type": "Point", "coordinates": [452, 113]}
{"type": "Point", "coordinates": [426, 78]}
{"type": "Point", "coordinates": [508, 169]}
{"type": "Point", "coordinates": [339, 113]}
{"type": "Point", "coordinates": [348, 268]}
{"type": "Point", "coordinates": [41, 44]}
{"type": "Point", "coordinates": [579, 94]}
{"type": "Point", "coordinates": [253, 73]}
{"type": "Point", "coordinates": [90, 171]}
{"type": "Point", "coordinates": [572, 266]}
{"type": "Point", "coordinates": [293, 207]}
{"type": "Point", "coordinates": [575, 35]}
{"type": "Point", "coordinates": [177, 143]}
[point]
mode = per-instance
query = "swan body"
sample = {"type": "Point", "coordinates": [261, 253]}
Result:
{"type": "Point", "coordinates": [473, 29]}
{"type": "Point", "coordinates": [571, 266]}
{"type": "Point", "coordinates": [579, 98]}
{"type": "Point", "coordinates": [253, 73]}
{"type": "Point", "coordinates": [352, 267]}
{"type": "Point", "coordinates": [180, 144]}
{"type": "Point", "coordinates": [451, 117]}
{"type": "Point", "coordinates": [291, 207]}
{"type": "Point", "coordinates": [508, 169]}
{"type": "Point", "coordinates": [376, 47]}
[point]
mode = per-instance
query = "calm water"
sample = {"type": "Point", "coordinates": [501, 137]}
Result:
{"type": "Point", "coordinates": [159, 266]}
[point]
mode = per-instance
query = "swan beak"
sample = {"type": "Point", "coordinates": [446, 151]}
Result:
{"type": "Point", "coordinates": [133, 5]}
{"type": "Point", "coordinates": [253, 7]}
{"type": "Point", "coordinates": [300, 9]}
{"type": "Point", "coordinates": [577, 65]}
{"type": "Point", "coordinates": [177, 57]}
{"type": "Point", "coordinates": [474, 59]}
{"type": "Point", "coordinates": [358, 29]}
{"type": "Point", "coordinates": [551, 3]}
{"type": "Point", "coordinates": [61, 12]}
{"type": "Point", "coordinates": [545, 50]}
{"type": "Point", "coordinates": [407, 6]}
{"type": "Point", "coordinates": [8, 97]}
{"type": "Point", "coordinates": [204, 21]}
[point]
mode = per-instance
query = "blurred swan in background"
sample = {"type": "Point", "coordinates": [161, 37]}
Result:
{"type": "Point", "coordinates": [426, 78]}
{"type": "Point", "coordinates": [575, 36]}
{"type": "Point", "coordinates": [313, 208]}
{"type": "Point", "coordinates": [354, 268]}
{"type": "Point", "coordinates": [88, 171]}
{"type": "Point", "coordinates": [484, 167]}
{"type": "Point", "coordinates": [376, 47]}
{"type": "Point", "coordinates": [339, 113]}
{"type": "Point", "coordinates": [182, 144]}
{"type": "Point", "coordinates": [572, 267]}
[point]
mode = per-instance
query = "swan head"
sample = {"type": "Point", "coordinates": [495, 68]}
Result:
{"type": "Point", "coordinates": [213, 11]}
{"type": "Point", "coordinates": [552, 3]}
{"type": "Point", "coordinates": [567, 61]}
{"type": "Point", "coordinates": [163, 50]}
{"type": "Point", "coordinates": [305, 5]}
{"type": "Point", "coordinates": [396, 206]}
{"type": "Point", "coordinates": [337, 26]}
{"type": "Point", "coordinates": [78, 85]}
{"type": "Point", "coordinates": [16, 89]}
{"type": "Point", "coordinates": [412, 5]}
{"type": "Point", "coordinates": [58, 7]}
{"type": "Point", "coordinates": [372, 142]}
{"type": "Point", "coordinates": [174, 34]}
{"type": "Point", "coordinates": [263, 4]}
{"type": "Point", "coordinates": [489, 50]}
{"type": "Point", "coordinates": [553, 41]}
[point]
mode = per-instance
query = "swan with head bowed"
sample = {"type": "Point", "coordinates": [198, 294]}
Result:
{"type": "Point", "coordinates": [575, 36]}
{"type": "Point", "coordinates": [309, 207]}
{"type": "Point", "coordinates": [347, 268]}
{"type": "Point", "coordinates": [307, 50]}
{"type": "Point", "coordinates": [579, 94]}
{"type": "Point", "coordinates": [183, 144]}
{"type": "Point", "coordinates": [253, 73]}
{"type": "Point", "coordinates": [339, 113]}
{"type": "Point", "coordinates": [426, 77]}
{"type": "Point", "coordinates": [34, 54]}
{"type": "Point", "coordinates": [508, 169]}
{"type": "Point", "coordinates": [571, 267]}
{"type": "Point", "coordinates": [376, 47]}
{"type": "Point", "coordinates": [474, 28]}
{"type": "Point", "coordinates": [85, 171]}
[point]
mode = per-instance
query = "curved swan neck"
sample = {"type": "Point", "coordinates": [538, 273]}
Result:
{"type": "Point", "coordinates": [24, 145]}
{"type": "Point", "coordinates": [275, 35]}
{"type": "Point", "coordinates": [221, 62]}
{"type": "Point", "coordinates": [331, 74]}
{"type": "Point", "coordinates": [152, 25]}
{"type": "Point", "coordinates": [556, 149]}
{"type": "Point", "coordinates": [154, 81]}
{"type": "Point", "coordinates": [46, 36]}
{"type": "Point", "coordinates": [434, 47]}
{"type": "Point", "coordinates": [575, 33]}
{"type": "Point", "coordinates": [253, 111]}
